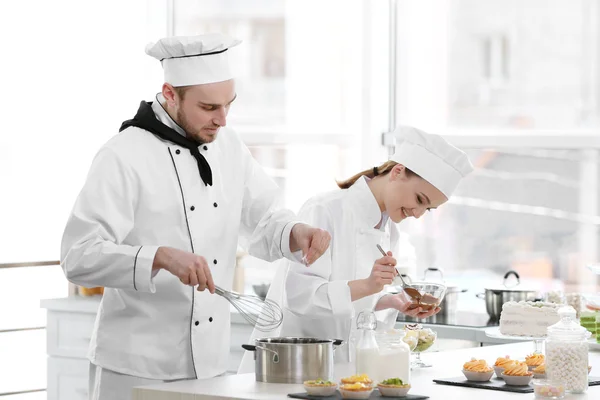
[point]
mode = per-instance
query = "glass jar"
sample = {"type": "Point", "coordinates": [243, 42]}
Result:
{"type": "Point", "coordinates": [567, 352]}
{"type": "Point", "coordinates": [367, 350]}
{"type": "Point", "coordinates": [394, 355]}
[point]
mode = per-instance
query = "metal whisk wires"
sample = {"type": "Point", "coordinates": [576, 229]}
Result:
{"type": "Point", "coordinates": [265, 315]}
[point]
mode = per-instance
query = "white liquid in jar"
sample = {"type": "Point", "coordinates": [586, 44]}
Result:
{"type": "Point", "coordinates": [367, 362]}
{"type": "Point", "coordinates": [394, 363]}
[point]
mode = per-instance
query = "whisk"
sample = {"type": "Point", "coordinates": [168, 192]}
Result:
{"type": "Point", "coordinates": [265, 315]}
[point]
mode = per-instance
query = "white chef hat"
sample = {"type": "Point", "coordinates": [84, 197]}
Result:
{"type": "Point", "coordinates": [431, 157]}
{"type": "Point", "coordinates": [194, 60]}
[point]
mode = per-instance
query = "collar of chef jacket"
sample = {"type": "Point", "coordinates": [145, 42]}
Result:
{"type": "Point", "coordinates": [366, 206]}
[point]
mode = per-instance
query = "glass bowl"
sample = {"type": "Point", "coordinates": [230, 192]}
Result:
{"type": "Point", "coordinates": [431, 294]}
{"type": "Point", "coordinates": [546, 389]}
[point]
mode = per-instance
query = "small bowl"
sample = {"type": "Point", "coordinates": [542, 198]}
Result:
{"type": "Point", "coordinates": [393, 390]}
{"type": "Point", "coordinates": [478, 376]}
{"type": "Point", "coordinates": [545, 389]}
{"type": "Point", "coordinates": [432, 294]}
{"type": "Point", "coordinates": [498, 370]}
{"type": "Point", "coordinates": [320, 390]}
{"type": "Point", "coordinates": [512, 380]}
{"type": "Point", "coordinates": [356, 394]}
{"type": "Point", "coordinates": [261, 290]}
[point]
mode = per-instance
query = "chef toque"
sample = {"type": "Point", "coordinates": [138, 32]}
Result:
{"type": "Point", "coordinates": [194, 60]}
{"type": "Point", "coordinates": [431, 157]}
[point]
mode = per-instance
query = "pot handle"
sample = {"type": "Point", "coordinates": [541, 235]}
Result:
{"type": "Point", "coordinates": [480, 295]}
{"type": "Point", "coordinates": [433, 269]}
{"type": "Point", "coordinates": [250, 347]}
{"type": "Point", "coordinates": [509, 273]}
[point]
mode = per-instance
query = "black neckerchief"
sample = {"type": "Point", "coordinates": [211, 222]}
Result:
{"type": "Point", "coordinates": [146, 120]}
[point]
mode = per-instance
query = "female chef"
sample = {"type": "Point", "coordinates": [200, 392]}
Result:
{"type": "Point", "coordinates": [324, 300]}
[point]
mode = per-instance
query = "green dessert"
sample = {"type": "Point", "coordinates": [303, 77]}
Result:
{"type": "Point", "coordinates": [597, 327]}
{"type": "Point", "coordinates": [393, 382]}
{"type": "Point", "coordinates": [588, 321]}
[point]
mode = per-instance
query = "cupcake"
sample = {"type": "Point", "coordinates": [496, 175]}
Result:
{"type": "Point", "coordinates": [319, 387]}
{"type": "Point", "coordinates": [517, 374]}
{"type": "Point", "coordinates": [477, 370]}
{"type": "Point", "coordinates": [393, 387]}
{"type": "Point", "coordinates": [534, 360]}
{"type": "Point", "coordinates": [356, 390]}
{"type": "Point", "coordinates": [500, 364]}
{"type": "Point", "coordinates": [539, 372]}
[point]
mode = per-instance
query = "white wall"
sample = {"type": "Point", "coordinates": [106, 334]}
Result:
{"type": "Point", "coordinates": [71, 72]}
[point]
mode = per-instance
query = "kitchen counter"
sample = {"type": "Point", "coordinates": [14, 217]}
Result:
{"type": "Point", "coordinates": [446, 364]}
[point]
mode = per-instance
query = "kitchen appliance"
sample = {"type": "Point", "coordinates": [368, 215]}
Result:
{"type": "Point", "coordinates": [293, 359]}
{"type": "Point", "coordinates": [495, 297]}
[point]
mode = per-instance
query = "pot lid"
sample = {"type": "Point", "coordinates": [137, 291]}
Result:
{"type": "Point", "coordinates": [436, 275]}
{"type": "Point", "coordinates": [511, 284]}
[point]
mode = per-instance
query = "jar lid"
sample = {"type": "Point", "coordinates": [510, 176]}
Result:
{"type": "Point", "coordinates": [366, 320]}
{"type": "Point", "coordinates": [568, 327]}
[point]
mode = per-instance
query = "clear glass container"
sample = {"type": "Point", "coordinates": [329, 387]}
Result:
{"type": "Point", "coordinates": [367, 350]}
{"type": "Point", "coordinates": [545, 389]}
{"type": "Point", "coordinates": [567, 352]}
{"type": "Point", "coordinates": [394, 355]}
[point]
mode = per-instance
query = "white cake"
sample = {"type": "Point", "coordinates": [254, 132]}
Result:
{"type": "Point", "coordinates": [528, 318]}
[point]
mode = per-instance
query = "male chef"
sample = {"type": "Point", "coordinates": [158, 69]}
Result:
{"type": "Point", "coordinates": [157, 225]}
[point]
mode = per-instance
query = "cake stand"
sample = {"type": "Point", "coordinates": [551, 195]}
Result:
{"type": "Point", "coordinates": [494, 332]}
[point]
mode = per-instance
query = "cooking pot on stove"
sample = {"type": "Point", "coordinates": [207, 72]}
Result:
{"type": "Point", "coordinates": [495, 297]}
{"type": "Point", "coordinates": [293, 359]}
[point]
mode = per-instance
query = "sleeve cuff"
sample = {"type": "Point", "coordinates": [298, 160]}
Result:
{"type": "Point", "coordinates": [142, 269]}
{"type": "Point", "coordinates": [285, 242]}
{"type": "Point", "coordinates": [340, 298]}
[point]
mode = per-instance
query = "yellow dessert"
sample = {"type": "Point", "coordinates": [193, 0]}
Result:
{"type": "Point", "coordinates": [477, 366]}
{"type": "Point", "coordinates": [517, 368]}
{"type": "Point", "coordinates": [503, 362]}
{"type": "Point", "coordinates": [356, 387]}
{"type": "Point", "coordinates": [535, 360]}
{"type": "Point", "coordinates": [540, 369]}
{"type": "Point", "coordinates": [364, 378]}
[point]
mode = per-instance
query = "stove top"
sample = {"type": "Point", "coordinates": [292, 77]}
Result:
{"type": "Point", "coordinates": [458, 318]}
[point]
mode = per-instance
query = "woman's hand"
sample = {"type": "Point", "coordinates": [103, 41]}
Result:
{"type": "Point", "coordinates": [382, 273]}
{"type": "Point", "coordinates": [405, 305]}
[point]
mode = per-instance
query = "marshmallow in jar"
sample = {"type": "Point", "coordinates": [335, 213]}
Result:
{"type": "Point", "coordinates": [567, 352]}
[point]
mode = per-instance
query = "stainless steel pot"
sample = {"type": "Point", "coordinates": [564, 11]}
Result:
{"type": "Point", "coordinates": [293, 360]}
{"type": "Point", "coordinates": [496, 297]}
{"type": "Point", "coordinates": [449, 303]}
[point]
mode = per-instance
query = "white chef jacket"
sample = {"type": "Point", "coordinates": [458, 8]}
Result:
{"type": "Point", "coordinates": [141, 193]}
{"type": "Point", "coordinates": [316, 300]}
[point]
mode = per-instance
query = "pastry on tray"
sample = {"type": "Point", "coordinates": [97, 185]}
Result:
{"type": "Point", "coordinates": [517, 374]}
{"type": "Point", "coordinates": [393, 387]}
{"type": "Point", "coordinates": [364, 378]}
{"type": "Point", "coordinates": [320, 387]}
{"type": "Point", "coordinates": [534, 360]}
{"type": "Point", "coordinates": [500, 364]}
{"type": "Point", "coordinates": [356, 390]}
{"type": "Point", "coordinates": [477, 370]}
{"type": "Point", "coordinates": [539, 372]}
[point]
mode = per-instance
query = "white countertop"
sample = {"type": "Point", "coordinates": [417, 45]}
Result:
{"type": "Point", "coordinates": [446, 364]}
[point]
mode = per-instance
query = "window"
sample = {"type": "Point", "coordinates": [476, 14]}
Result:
{"type": "Point", "coordinates": [516, 84]}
